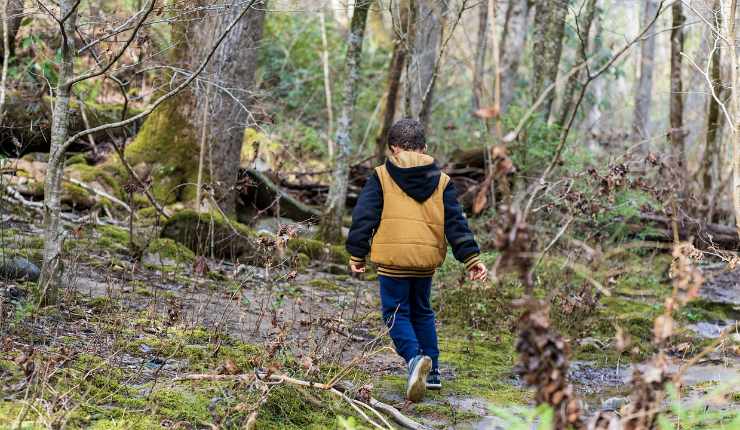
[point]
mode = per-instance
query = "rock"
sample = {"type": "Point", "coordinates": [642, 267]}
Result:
{"type": "Point", "coordinates": [167, 252]}
{"type": "Point", "coordinates": [202, 232]}
{"type": "Point", "coordinates": [319, 251]}
{"type": "Point", "coordinates": [722, 288]}
{"type": "Point", "coordinates": [614, 403]}
{"type": "Point", "coordinates": [272, 225]}
{"type": "Point", "coordinates": [18, 268]}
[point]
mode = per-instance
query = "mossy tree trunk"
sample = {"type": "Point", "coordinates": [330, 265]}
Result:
{"type": "Point", "coordinates": [331, 226]}
{"type": "Point", "coordinates": [549, 28]}
{"type": "Point", "coordinates": [168, 146]}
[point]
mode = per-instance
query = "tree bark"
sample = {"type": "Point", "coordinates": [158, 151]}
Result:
{"type": "Point", "coordinates": [480, 56]}
{"type": "Point", "coordinates": [729, 11]}
{"type": "Point", "coordinates": [425, 39]}
{"type": "Point", "coordinates": [51, 268]}
{"type": "Point", "coordinates": [14, 14]}
{"type": "Point", "coordinates": [571, 87]}
{"type": "Point", "coordinates": [395, 71]}
{"type": "Point", "coordinates": [676, 103]}
{"type": "Point", "coordinates": [513, 40]}
{"type": "Point", "coordinates": [714, 118]}
{"type": "Point", "coordinates": [167, 147]}
{"type": "Point", "coordinates": [549, 29]}
{"type": "Point", "coordinates": [235, 64]}
{"type": "Point", "coordinates": [331, 226]}
{"type": "Point", "coordinates": [643, 93]}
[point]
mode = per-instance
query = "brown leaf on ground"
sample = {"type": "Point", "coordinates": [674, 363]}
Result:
{"type": "Point", "coordinates": [487, 112]}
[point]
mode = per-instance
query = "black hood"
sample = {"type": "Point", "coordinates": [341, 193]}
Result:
{"type": "Point", "coordinates": [418, 182]}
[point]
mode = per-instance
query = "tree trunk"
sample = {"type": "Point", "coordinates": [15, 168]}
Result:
{"type": "Point", "coordinates": [729, 11]}
{"type": "Point", "coordinates": [480, 56]}
{"type": "Point", "coordinates": [426, 37]}
{"type": "Point", "coordinates": [574, 82]}
{"type": "Point", "coordinates": [714, 123]}
{"type": "Point", "coordinates": [513, 40]}
{"type": "Point", "coordinates": [676, 103]}
{"type": "Point", "coordinates": [14, 14]}
{"type": "Point", "coordinates": [168, 144]}
{"type": "Point", "coordinates": [235, 64]}
{"type": "Point", "coordinates": [643, 93]}
{"type": "Point", "coordinates": [395, 71]}
{"type": "Point", "coordinates": [331, 227]}
{"type": "Point", "coordinates": [51, 268]}
{"type": "Point", "coordinates": [549, 28]}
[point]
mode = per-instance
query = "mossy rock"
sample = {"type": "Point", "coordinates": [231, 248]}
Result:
{"type": "Point", "coordinates": [201, 232]}
{"type": "Point", "coordinates": [167, 252]}
{"type": "Point", "coordinates": [77, 197]}
{"type": "Point", "coordinates": [317, 250]}
{"type": "Point", "coordinates": [98, 177]}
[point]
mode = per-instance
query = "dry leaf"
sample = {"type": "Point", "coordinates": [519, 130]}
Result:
{"type": "Point", "coordinates": [487, 112]}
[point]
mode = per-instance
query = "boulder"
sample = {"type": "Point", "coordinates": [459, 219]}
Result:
{"type": "Point", "coordinates": [18, 269]}
{"type": "Point", "coordinates": [206, 232]}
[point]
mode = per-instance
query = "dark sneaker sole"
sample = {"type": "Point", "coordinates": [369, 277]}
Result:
{"type": "Point", "coordinates": [417, 383]}
{"type": "Point", "coordinates": [434, 387]}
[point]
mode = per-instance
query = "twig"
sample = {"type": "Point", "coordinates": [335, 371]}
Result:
{"type": "Point", "coordinates": [101, 193]}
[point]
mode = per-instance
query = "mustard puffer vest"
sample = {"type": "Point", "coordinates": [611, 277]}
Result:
{"type": "Point", "coordinates": [411, 234]}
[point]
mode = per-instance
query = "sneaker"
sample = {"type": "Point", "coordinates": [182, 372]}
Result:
{"type": "Point", "coordinates": [434, 381]}
{"type": "Point", "coordinates": [419, 367]}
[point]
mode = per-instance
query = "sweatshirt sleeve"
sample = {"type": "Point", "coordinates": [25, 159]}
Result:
{"type": "Point", "coordinates": [365, 219]}
{"type": "Point", "coordinates": [461, 239]}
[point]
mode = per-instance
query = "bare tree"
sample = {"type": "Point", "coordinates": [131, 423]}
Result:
{"type": "Point", "coordinates": [676, 105]}
{"type": "Point", "coordinates": [66, 18]}
{"type": "Point", "coordinates": [425, 39]}
{"type": "Point", "coordinates": [714, 119]}
{"type": "Point", "coordinates": [513, 40]}
{"type": "Point", "coordinates": [331, 226]}
{"type": "Point", "coordinates": [584, 22]}
{"type": "Point", "coordinates": [549, 29]}
{"type": "Point", "coordinates": [644, 90]}
{"type": "Point", "coordinates": [480, 56]}
{"type": "Point", "coordinates": [13, 16]}
{"type": "Point", "coordinates": [395, 71]}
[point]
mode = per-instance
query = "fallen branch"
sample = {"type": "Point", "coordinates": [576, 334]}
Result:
{"type": "Point", "coordinates": [100, 193]}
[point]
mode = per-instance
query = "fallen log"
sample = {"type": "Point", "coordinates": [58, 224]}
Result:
{"type": "Point", "coordinates": [260, 193]}
{"type": "Point", "coordinates": [703, 235]}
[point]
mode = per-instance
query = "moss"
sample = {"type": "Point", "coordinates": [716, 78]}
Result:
{"type": "Point", "coordinates": [230, 239]}
{"type": "Point", "coordinates": [112, 237]}
{"type": "Point", "coordinates": [318, 250]}
{"type": "Point", "coordinates": [325, 284]}
{"type": "Point", "coordinates": [168, 252]}
{"type": "Point", "coordinates": [75, 159]}
{"type": "Point", "coordinates": [166, 148]}
{"type": "Point", "coordinates": [77, 197]}
{"type": "Point", "coordinates": [181, 404]}
{"type": "Point", "coordinates": [97, 176]}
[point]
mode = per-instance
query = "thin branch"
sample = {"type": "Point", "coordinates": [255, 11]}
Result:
{"type": "Point", "coordinates": [714, 94]}
{"type": "Point", "coordinates": [120, 53]}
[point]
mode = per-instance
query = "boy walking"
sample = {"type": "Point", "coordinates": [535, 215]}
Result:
{"type": "Point", "coordinates": [404, 218]}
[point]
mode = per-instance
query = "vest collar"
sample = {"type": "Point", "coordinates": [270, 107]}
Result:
{"type": "Point", "coordinates": [407, 159]}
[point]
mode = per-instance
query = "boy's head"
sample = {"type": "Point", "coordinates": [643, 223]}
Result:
{"type": "Point", "coordinates": [407, 135]}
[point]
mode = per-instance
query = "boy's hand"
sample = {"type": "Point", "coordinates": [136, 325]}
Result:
{"type": "Point", "coordinates": [357, 267]}
{"type": "Point", "coordinates": [478, 272]}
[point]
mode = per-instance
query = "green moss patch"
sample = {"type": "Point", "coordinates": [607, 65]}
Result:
{"type": "Point", "coordinates": [317, 250]}
{"type": "Point", "coordinates": [167, 252]}
{"type": "Point", "coordinates": [203, 233]}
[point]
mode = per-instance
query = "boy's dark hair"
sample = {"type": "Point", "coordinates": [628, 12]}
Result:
{"type": "Point", "coordinates": [407, 134]}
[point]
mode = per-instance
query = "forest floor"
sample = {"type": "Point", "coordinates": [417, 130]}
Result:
{"type": "Point", "coordinates": [119, 351]}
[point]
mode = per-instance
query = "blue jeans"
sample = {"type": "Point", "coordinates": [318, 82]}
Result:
{"type": "Point", "coordinates": [408, 313]}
